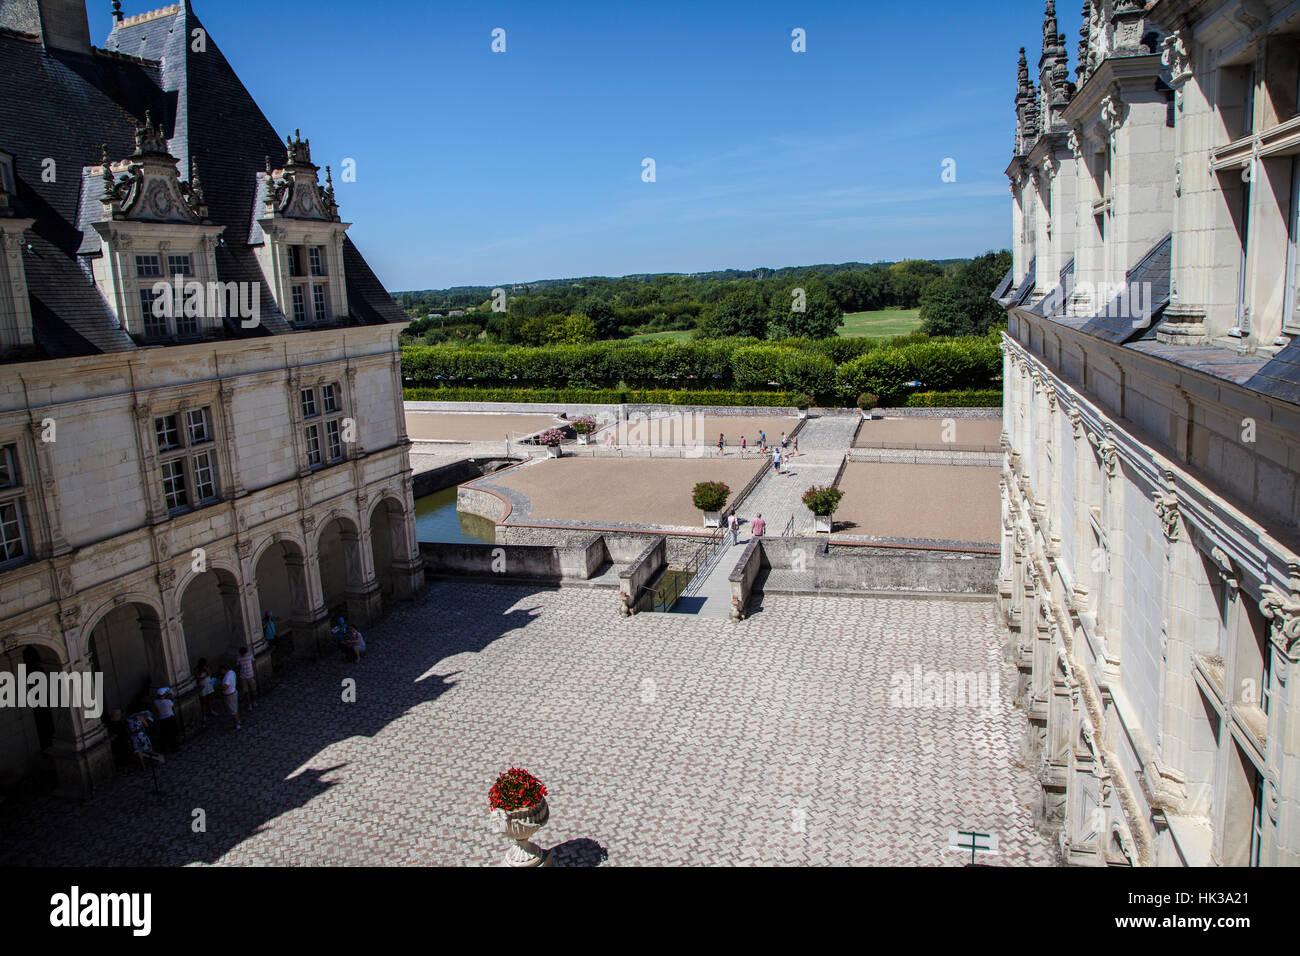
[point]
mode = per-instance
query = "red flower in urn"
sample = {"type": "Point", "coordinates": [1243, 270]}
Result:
{"type": "Point", "coordinates": [516, 789]}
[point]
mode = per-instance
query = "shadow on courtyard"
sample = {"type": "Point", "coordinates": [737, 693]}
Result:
{"type": "Point", "coordinates": [243, 779]}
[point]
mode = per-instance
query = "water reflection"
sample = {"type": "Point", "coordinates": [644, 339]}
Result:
{"type": "Point", "coordinates": [436, 519]}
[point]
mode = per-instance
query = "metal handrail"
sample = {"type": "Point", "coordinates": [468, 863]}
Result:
{"type": "Point", "coordinates": [788, 530]}
{"type": "Point", "coordinates": [699, 559]}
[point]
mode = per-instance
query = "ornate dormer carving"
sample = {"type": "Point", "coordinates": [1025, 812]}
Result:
{"type": "Point", "coordinates": [1173, 54]}
{"type": "Point", "coordinates": [1128, 27]}
{"type": "Point", "coordinates": [294, 192]}
{"type": "Point", "coordinates": [146, 186]}
{"type": "Point", "coordinates": [1112, 112]}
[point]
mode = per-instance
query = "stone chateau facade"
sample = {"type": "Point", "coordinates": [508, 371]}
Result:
{"type": "Point", "coordinates": [1151, 491]}
{"type": "Point", "coordinates": [200, 393]}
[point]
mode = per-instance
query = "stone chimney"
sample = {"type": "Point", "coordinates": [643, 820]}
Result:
{"type": "Point", "coordinates": [64, 25]}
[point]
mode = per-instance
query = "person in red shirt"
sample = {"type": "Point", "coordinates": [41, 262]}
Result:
{"type": "Point", "coordinates": [759, 526]}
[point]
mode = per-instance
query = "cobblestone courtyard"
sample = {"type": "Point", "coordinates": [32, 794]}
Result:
{"type": "Point", "coordinates": [664, 739]}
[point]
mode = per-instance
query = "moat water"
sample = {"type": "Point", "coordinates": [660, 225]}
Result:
{"type": "Point", "coordinates": [436, 519]}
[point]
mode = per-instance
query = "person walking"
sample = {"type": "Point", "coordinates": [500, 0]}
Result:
{"type": "Point", "coordinates": [776, 460]}
{"type": "Point", "coordinates": [794, 440]}
{"type": "Point", "coordinates": [784, 442]}
{"type": "Point", "coordinates": [759, 526]}
{"type": "Point", "coordinates": [722, 444]}
{"type": "Point", "coordinates": [230, 692]}
{"type": "Point", "coordinates": [733, 525]}
{"type": "Point", "coordinates": [762, 440]}
{"type": "Point", "coordinates": [247, 677]}
{"type": "Point", "coordinates": [164, 706]}
{"type": "Point", "coordinates": [742, 446]}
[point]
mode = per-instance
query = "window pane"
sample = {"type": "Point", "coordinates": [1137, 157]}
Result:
{"type": "Point", "coordinates": [168, 431]}
{"type": "Point", "coordinates": [317, 265]}
{"type": "Point", "coordinates": [199, 426]}
{"type": "Point", "coordinates": [174, 484]}
{"type": "Point", "coordinates": [12, 545]}
{"type": "Point", "coordinates": [318, 302]}
{"type": "Point", "coordinates": [299, 305]}
{"type": "Point", "coordinates": [309, 403]}
{"type": "Point", "coordinates": [155, 326]}
{"type": "Point", "coordinates": [295, 260]}
{"type": "Point", "coordinates": [330, 396]}
{"type": "Point", "coordinates": [313, 445]}
{"type": "Point", "coordinates": [178, 265]}
{"type": "Point", "coordinates": [205, 483]}
{"type": "Point", "coordinates": [335, 439]}
{"type": "Point", "coordinates": [147, 266]}
{"type": "Point", "coordinates": [8, 467]}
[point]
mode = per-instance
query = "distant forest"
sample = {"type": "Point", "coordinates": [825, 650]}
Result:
{"type": "Point", "coordinates": [808, 301]}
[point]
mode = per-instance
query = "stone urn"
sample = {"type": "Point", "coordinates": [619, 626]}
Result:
{"type": "Point", "coordinates": [519, 826]}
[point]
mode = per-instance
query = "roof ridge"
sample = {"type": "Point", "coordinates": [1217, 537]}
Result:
{"type": "Point", "coordinates": [117, 55]}
{"type": "Point", "coordinates": [19, 34]}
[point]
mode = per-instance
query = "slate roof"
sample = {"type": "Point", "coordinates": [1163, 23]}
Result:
{"type": "Point", "coordinates": [1280, 375]}
{"type": "Point", "coordinates": [64, 105]}
{"type": "Point", "coordinates": [1116, 323]}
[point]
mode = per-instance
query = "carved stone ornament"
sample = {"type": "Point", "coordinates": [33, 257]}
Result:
{"type": "Point", "coordinates": [1112, 113]}
{"type": "Point", "coordinates": [1109, 456]}
{"type": "Point", "coordinates": [1166, 508]}
{"type": "Point", "coordinates": [1072, 140]}
{"type": "Point", "coordinates": [1173, 54]}
{"type": "Point", "coordinates": [1076, 422]}
{"type": "Point", "coordinates": [166, 578]}
{"type": "Point", "coordinates": [309, 521]}
{"type": "Point", "coordinates": [1283, 610]}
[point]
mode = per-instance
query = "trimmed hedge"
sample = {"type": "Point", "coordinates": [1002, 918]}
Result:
{"type": "Point", "coordinates": [831, 370]}
{"type": "Point", "coordinates": [607, 396]}
{"type": "Point", "coordinates": [966, 399]}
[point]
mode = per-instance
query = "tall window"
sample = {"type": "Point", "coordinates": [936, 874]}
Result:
{"type": "Point", "coordinates": [1291, 303]}
{"type": "Point", "coordinates": [155, 326]}
{"type": "Point", "coordinates": [299, 306]}
{"type": "Point", "coordinates": [1256, 819]}
{"type": "Point", "coordinates": [316, 260]}
{"type": "Point", "coordinates": [295, 261]}
{"type": "Point", "coordinates": [14, 547]}
{"type": "Point", "coordinates": [187, 459]}
{"type": "Point", "coordinates": [324, 424]}
{"type": "Point", "coordinates": [318, 303]}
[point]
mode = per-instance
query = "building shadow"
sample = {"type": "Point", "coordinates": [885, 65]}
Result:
{"type": "Point", "coordinates": [226, 785]}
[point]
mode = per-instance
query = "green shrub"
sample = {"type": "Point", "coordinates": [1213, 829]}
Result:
{"type": "Point", "coordinates": [963, 399]}
{"type": "Point", "coordinates": [710, 495]}
{"type": "Point", "coordinates": [608, 396]}
{"type": "Point", "coordinates": [822, 501]}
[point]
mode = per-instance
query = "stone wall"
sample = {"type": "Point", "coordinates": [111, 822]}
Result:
{"type": "Point", "coordinates": [823, 567]}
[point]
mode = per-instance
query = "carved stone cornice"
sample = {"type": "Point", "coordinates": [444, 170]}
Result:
{"type": "Point", "coordinates": [1224, 566]}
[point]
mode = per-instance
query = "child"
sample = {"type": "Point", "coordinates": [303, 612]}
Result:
{"type": "Point", "coordinates": [203, 680]}
{"type": "Point", "coordinates": [722, 444]}
{"type": "Point", "coordinates": [742, 444]}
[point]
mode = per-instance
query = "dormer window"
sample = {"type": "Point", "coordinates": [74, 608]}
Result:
{"type": "Point", "coordinates": [317, 261]}
{"type": "Point", "coordinates": [179, 266]}
{"type": "Point", "coordinates": [299, 305]}
{"type": "Point", "coordinates": [319, 309]}
{"type": "Point", "coordinates": [147, 267]}
{"type": "Point", "coordinates": [295, 261]}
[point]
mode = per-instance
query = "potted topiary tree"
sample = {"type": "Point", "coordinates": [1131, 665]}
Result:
{"type": "Point", "coordinates": [822, 502]}
{"type": "Point", "coordinates": [803, 403]}
{"type": "Point", "coordinates": [518, 802]}
{"type": "Point", "coordinates": [711, 497]}
{"type": "Point", "coordinates": [583, 427]}
{"type": "Point", "coordinates": [866, 402]}
{"type": "Point", "coordinates": [551, 438]}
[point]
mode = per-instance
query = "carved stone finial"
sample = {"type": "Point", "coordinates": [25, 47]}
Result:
{"type": "Point", "coordinates": [117, 10]}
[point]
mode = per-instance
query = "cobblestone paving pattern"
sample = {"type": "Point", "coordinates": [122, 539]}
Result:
{"type": "Point", "coordinates": [664, 739]}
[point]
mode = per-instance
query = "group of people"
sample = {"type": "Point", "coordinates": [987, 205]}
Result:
{"type": "Point", "coordinates": [757, 527]}
{"type": "Point", "coordinates": [349, 640]}
{"type": "Point", "coordinates": [784, 449]}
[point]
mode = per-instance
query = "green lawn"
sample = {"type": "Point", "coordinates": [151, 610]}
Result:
{"type": "Point", "coordinates": [882, 323]}
{"type": "Point", "coordinates": [682, 335]}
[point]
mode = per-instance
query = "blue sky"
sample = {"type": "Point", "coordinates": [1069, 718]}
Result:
{"type": "Point", "coordinates": [476, 167]}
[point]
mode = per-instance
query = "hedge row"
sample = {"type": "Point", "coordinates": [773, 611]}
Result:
{"type": "Point", "coordinates": [967, 399]}
{"type": "Point", "coordinates": [608, 396]}
{"type": "Point", "coordinates": [828, 370]}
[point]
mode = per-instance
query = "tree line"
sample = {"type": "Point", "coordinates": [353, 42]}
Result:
{"type": "Point", "coordinates": [808, 302]}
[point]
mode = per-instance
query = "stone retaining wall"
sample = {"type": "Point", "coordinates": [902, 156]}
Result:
{"type": "Point", "coordinates": [644, 569]}
{"type": "Point", "coordinates": [882, 569]}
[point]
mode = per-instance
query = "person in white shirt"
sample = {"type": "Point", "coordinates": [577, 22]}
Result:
{"type": "Point", "coordinates": [247, 678]}
{"type": "Point", "coordinates": [164, 706]}
{"type": "Point", "coordinates": [229, 693]}
{"type": "Point", "coordinates": [203, 679]}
